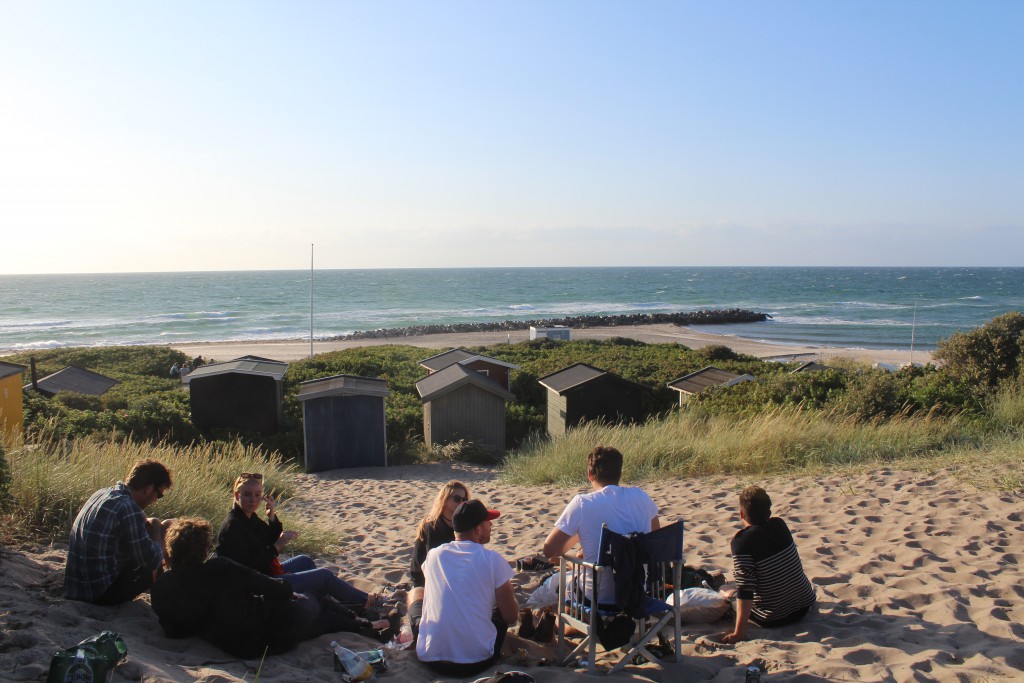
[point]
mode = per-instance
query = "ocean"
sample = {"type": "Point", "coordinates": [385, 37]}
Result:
{"type": "Point", "coordinates": [888, 308]}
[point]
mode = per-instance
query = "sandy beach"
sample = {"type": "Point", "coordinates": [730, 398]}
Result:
{"type": "Point", "coordinates": [917, 576]}
{"type": "Point", "coordinates": [651, 334]}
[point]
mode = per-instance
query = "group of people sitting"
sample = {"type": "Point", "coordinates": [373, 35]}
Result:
{"type": "Point", "coordinates": [243, 599]}
{"type": "Point", "coordinates": [461, 602]}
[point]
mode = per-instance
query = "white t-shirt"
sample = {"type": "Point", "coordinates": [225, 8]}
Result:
{"type": "Point", "coordinates": [458, 600]}
{"type": "Point", "coordinates": [624, 509]}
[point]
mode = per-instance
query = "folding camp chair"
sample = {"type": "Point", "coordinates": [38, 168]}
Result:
{"type": "Point", "coordinates": [661, 554]}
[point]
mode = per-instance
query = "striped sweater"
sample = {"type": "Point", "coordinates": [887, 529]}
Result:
{"type": "Point", "coordinates": [768, 571]}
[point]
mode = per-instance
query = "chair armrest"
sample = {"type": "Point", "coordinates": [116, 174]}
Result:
{"type": "Point", "coordinates": [573, 559]}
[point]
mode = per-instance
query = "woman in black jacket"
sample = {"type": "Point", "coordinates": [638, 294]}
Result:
{"type": "Point", "coordinates": [241, 611]}
{"type": "Point", "coordinates": [246, 538]}
{"type": "Point", "coordinates": [434, 529]}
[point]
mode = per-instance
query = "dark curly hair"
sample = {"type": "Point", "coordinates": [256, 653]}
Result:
{"type": "Point", "coordinates": [188, 542]}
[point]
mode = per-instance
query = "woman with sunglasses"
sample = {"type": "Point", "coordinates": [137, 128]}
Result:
{"type": "Point", "coordinates": [435, 529]}
{"type": "Point", "coordinates": [247, 539]}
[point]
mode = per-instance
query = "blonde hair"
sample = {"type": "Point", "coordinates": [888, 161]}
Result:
{"type": "Point", "coordinates": [437, 509]}
{"type": "Point", "coordinates": [245, 478]}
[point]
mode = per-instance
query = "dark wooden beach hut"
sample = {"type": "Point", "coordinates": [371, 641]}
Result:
{"type": "Point", "coordinates": [245, 394]}
{"type": "Point", "coordinates": [343, 423]}
{"type": "Point", "coordinates": [461, 403]}
{"type": "Point", "coordinates": [704, 379]}
{"type": "Point", "coordinates": [809, 366]}
{"type": "Point", "coordinates": [497, 370]}
{"type": "Point", "coordinates": [75, 379]}
{"type": "Point", "coordinates": [582, 393]}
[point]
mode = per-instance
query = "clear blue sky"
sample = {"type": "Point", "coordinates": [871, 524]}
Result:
{"type": "Point", "coordinates": [232, 135]}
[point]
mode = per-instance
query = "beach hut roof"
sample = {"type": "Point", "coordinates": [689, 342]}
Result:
{"type": "Point", "coordinates": [342, 385]}
{"type": "Point", "coordinates": [454, 376]}
{"type": "Point", "coordinates": [696, 382]}
{"type": "Point", "coordinates": [462, 357]}
{"type": "Point", "coordinates": [76, 379]}
{"type": "Point", "coordinates": [8, 369]}
{"type": "Point", "coordinates": [577, 375]}
{"type": "Point", "coordinates": [245, 365]}
{"type": "Point", "coordinates": [810, 366]}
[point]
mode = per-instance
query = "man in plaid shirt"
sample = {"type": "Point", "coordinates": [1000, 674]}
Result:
{"type": "Point", "coordinates": [114, 551]}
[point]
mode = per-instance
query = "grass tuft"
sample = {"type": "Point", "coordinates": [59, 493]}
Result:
{"type": "Point", "coordinates": [52, 479]}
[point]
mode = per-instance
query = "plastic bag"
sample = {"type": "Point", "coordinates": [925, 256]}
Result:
{"type": "Point", "coordinates": [546, 594]}
{"type": "Point", "coordinates": [700, 605]}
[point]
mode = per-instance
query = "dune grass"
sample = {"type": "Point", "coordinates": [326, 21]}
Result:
{"type": "Point", "coordinates": [790, 440]}
{"type": "Point", "coordinates": [50, 481]}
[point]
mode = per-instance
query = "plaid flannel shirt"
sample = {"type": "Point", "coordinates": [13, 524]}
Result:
{"type": "Point", "coordinates": [107, 538]}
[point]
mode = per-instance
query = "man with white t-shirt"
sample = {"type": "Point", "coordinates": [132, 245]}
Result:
{"type": "Point", "coordinates": [468, 598]}
{"type": "Point", "coordinates": [624, 509]}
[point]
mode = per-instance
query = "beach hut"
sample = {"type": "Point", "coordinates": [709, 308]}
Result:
{"type": "Point", "coordinates": [497, 370]}
{"type": "Point", "coordinates": [583, 393]}
{"type": "Point", "coordinates": [343, 423]}
{"type": "Point", "coordinates": [11, 416]}
{"type": "Point", "coordinates": [704, 379]}
{"type": "Point", "coordinates": [74, 379]}
{"type": "Point", "coordinates": [461, 403]}
{"type": "Point", "coordinates": [560, 332]}
{"type": "Point", "coordinates": [244, 394]}
{"type": "Point", "coordinates": [809, 366]}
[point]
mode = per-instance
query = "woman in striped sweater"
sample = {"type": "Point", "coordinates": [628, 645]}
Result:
{"type": "Point", "coordinates": [772, 589]}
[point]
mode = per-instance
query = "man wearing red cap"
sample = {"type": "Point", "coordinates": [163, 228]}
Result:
{"type": "Point", "coordinates": [468, 598]}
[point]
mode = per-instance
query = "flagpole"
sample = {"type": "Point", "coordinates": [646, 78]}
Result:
{"type": "Point", "coordinates": [913, 329]}
{"type": "Point", "coordinates": [310, 300]}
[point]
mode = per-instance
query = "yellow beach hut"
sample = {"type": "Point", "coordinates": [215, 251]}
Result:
{"type": "Point", "coordinates": [11, 418]}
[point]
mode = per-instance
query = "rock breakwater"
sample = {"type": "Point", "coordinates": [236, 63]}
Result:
{"type": "Point", "coordinates": [704, 317]}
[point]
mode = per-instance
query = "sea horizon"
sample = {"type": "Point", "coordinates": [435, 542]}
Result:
{"type": "Point", "coordinates": [854, 307]}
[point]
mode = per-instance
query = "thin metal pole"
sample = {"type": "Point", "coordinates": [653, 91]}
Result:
{"type": "Point", "coordinates": [310, 300]}
{"type": "Point", "coordinates": [913, 328]}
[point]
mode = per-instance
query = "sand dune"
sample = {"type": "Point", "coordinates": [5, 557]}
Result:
{"type": "Point", "coordinates": [919, 578]}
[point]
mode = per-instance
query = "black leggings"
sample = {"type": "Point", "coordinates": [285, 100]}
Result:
{"type": "Point", "coordinates": [463, 670]}
{"type": "Point", "coordinates": [781, 621]}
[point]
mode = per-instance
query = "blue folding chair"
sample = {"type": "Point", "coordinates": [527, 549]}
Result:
{"type": "Point", "coordinates": [658, 583]}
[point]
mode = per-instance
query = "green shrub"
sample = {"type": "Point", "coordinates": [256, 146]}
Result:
{"type": "Point", "coordinates": [987, 355]}
{"type": "Point", "coordinates": [872, 395]}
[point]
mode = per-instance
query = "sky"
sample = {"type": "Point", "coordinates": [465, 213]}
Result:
{"type": "Point", "coordinates": [198, 136]}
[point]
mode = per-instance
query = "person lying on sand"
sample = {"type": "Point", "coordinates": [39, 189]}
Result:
{"type": "Point", "coordinates": [468, 599]}
{"type": "Point", "coordinates": [114, 550]}
{"type": "Point", "coordinates": [434, 529]}
{"type": "Point", "coordinates": [247, 539]}
{"type": "Point", "coordinates": [773, 589]}
{"type": "Point", "coordinates": [238, 609]}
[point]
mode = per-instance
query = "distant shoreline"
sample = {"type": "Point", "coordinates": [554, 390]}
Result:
{"type": "Point", "coordinates": [656, 333]}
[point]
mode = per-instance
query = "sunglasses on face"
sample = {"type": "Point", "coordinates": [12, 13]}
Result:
{"type": "Point", "coordinates": [459, 499]}
{"type": "Point", "coordinates": [159, 494]}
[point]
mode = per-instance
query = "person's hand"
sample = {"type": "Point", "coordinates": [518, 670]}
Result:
{"type": "Point", "coordinates": [285, 538]}
{"type": "Point", "coordinates": [727, 593]}
{"type": "Point", "coordinates": [731, 638]}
